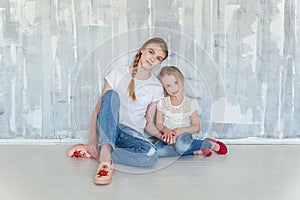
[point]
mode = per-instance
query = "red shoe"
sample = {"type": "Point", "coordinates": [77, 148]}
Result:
{"type": "Point", "coordinates": [223, 148]}
{"type": "Point", "coordinates": [78, 151]}
{"type": "Point", "coordinates": [104, 173]}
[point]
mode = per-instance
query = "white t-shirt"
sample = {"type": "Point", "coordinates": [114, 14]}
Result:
{"type": "Point", "coordinates": [132, 113]}
{"type": "Point", "coordinates": [177, 116]}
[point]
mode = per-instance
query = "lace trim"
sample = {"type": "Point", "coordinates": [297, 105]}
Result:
{"type": "Point", "coordinates": [185, 106]}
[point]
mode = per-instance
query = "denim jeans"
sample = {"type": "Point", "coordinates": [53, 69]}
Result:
{"type": "Point", "coordinates": [185, 145]}
{"type": "Point", "coordinates": [127, 149]}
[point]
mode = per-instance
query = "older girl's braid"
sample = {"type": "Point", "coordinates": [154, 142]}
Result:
{"type": "Point", "coordinates": [134, 70]}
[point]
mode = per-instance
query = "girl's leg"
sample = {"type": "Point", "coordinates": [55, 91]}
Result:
{"type": "Point", "coordinates": [187, 145]}
{"type": "Point", "coordinates": [107, 124]}
{"type": "Point", "coordinates": [165, 150]}
{"type": "Point", "coordinates": [206, 152]}
{"type": "Point", "coordinates": [133, 151]}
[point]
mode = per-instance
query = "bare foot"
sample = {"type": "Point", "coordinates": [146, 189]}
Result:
{"type": "Point", "coordinates": [206, 152]}
{"type": "Point", "coordinates": [215, 146]}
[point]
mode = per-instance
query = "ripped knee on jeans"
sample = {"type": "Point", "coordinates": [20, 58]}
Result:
{"type": "Point", "coordinates": [151, 152]}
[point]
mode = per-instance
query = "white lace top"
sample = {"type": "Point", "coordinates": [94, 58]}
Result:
{"type": "Point", "coordinates": [177, 116]}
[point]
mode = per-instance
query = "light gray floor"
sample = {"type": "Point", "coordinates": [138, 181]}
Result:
{"type": "Point", "coordinates": [37, 172]}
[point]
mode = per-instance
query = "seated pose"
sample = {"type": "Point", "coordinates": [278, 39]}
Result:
{"type": "Point", "coordinates": [177, 119]}
{"type": "Point", "coordinates": [119, 121]}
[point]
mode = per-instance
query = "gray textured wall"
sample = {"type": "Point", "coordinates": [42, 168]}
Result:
{"type": "Point", "coordinates": [241, 60]}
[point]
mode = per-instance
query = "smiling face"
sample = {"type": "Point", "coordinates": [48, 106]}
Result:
{"type": "Point", "coordinates": [152, 55]}
{"type": "Point", "coordinates": [172, 85]}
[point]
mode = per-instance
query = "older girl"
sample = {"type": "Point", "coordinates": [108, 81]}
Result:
{"type": "Point", "coordinates": [125, 109]}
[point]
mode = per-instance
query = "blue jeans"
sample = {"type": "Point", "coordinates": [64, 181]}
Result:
{"type": "Point", "coordinates": [185, 145]}
{"type": "Point", "coordinates": [127, 149]}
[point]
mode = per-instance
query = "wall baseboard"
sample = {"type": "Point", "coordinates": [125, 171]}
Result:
{"type": "Point", "coordinates": [245, 141]}
{"type": "Point", "coordinates": [263, 141]}
{"type": "Point", "coordinates": [40, 141]}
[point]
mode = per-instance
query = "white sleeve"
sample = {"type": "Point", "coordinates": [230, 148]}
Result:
{"type": "Point", "coordinates": [159, 106]}
{"type": "Point", "coordinates": [111, 78]}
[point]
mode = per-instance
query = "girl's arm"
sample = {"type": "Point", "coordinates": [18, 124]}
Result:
{"type": "Point", "coordinates": [93, 137]}
{"type": "Point", "coordinates": [168, 135]}
{"type": "Point", "coordinates": [160, 122]}
{"type": "Point", "coordinates": [194, 128]}
{"type": "Point", "coordinates": [150, 126]}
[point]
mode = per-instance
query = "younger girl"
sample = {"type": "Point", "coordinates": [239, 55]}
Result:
{"type": "Point", "coordinates": [177, 118]}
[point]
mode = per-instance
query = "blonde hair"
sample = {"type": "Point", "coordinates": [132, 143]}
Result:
{"type": "Point", "coordinates": [171, 70]}
{"type": "Point", "coordinates": [137, 57]}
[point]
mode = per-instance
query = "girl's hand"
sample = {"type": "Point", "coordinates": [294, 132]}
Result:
{"type": "Point", "coordinates": [169, 137]}
{"type": "Point", "coordinates": [177, 131]}
{"type": "Point", "coordinates": [92, 149]}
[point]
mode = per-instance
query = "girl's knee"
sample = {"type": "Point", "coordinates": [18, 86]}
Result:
{"type": "Point", "coordinates": [183, 142]}
{"type": "Point", "coordinates": [110, 94]}
{"type": "Point", "coordinates": [151, 160]}
{"type": "Point", "coordinates": [181, 147]}
{"type": "Point", "coordinates": [110, 104]}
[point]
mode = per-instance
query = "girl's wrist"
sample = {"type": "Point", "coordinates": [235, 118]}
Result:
{"type": "Point", "coordinates": [93, 140]}
{"type": "Point", "coordinates": [158, 135]}
{"type": "Point", "coordinates": [179, 132]}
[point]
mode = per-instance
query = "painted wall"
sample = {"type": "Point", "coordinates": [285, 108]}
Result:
{"type": "Point", "coordinates": [241, 60]}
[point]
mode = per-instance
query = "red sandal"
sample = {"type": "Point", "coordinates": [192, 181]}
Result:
{"type": "Point", "coordinates": [78, 151]}
{"type": "Point", "coordinates": [223, 148]}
